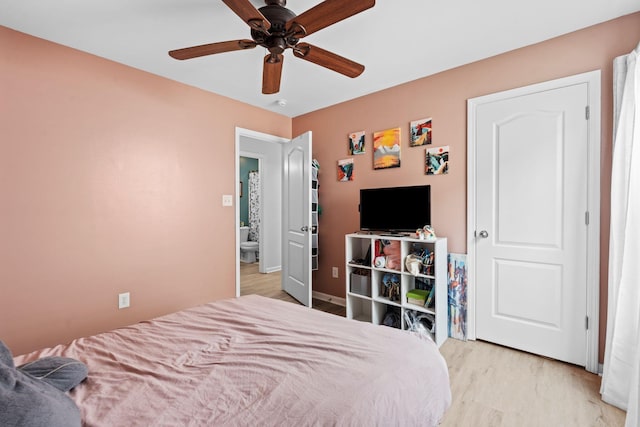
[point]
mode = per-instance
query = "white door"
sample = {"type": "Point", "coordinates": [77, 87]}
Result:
{"type": "Point", "coordinates": [531, 231]}
{"type": "Point", "coordinates": [296, 219]}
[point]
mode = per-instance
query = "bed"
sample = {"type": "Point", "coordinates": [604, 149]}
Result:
{"type": "Point", "coordinates": [255, 361]}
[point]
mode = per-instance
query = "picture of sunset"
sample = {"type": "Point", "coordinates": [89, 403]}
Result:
{"type": "Point", "coordinates": [386, 149]}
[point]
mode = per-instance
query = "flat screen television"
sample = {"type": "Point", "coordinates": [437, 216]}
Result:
{"type": "Point", "coordinates": [395, 209]}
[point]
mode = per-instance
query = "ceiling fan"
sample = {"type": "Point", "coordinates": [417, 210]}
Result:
{"type": "Point", "coordinates": [277, 28]}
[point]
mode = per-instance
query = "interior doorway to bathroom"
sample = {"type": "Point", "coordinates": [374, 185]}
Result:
{"type": "Point", "coordinates": [252, 281]}
{"type": "Point", "coordinates": [249, 201]}
{"type": "Point", "coordinates": [263, 153]}
{"type": "Point", "coordinates": [278, 159]}
{"type": "Point", "coordinates": [250, 206]}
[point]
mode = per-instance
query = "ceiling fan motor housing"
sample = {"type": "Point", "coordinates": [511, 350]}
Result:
{"type": "Point", "coordinates": [278, 16]}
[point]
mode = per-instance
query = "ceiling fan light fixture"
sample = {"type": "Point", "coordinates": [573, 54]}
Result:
{"type": "Point", "coordinates": [277, 29]}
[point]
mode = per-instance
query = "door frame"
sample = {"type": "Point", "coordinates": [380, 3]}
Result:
{"type": "Point", "coordinates": [592, 79]}
{"type": "Point", "coordinates": [240, 133]}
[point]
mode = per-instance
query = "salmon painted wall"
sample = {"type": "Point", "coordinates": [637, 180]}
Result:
{"type": "Point", "coordinates": [111, 181]}
{"type": "Point", "coordinates": [443, 97]}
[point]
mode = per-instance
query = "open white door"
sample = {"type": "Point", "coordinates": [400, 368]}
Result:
{"type": "Point", "coordinates": [296, 219]}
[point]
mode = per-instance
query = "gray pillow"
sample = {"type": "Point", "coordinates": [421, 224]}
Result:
{"type": "Point", "coordinates": [5, 355]}
{"type": "Point", "coordinates": [63, 373]}
{"type": "Point", "coordinates": [29, 402]}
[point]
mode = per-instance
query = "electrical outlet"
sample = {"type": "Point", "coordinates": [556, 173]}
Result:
{"type": "Point", "coordinates": [227, 200]}
{"type": "Point", "coordinates": [123, 300]}
{"type": "Point", "coordinates": [334, 272]}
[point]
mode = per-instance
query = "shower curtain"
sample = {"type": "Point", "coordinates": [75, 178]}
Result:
{"type": "Point", "coordinates": [254, 206]}
{"type": "Point", "coordinates": [621, 370]}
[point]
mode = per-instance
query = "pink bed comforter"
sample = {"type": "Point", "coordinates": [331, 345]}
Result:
{"type": "Point", "coordinates": [254, 361]}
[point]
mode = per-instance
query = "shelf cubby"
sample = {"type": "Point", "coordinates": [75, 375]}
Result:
{"type": "Point", "coordinates": [359, 308]}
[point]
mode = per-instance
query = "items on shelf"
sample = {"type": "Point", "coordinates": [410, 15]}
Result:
{"type": "Point", "coordinates": [387, 254]}
{"type": "Point", "coordinates": [315, 213]}
{"type": "Point", "coordinates": [423, 283]}
{"type": "Point", "coordinates": [390, 287]}
{"type": "Point", "coordinates": [420, 261]}
{"type": "Point", "coordinates": [361, 281]}
{"type": "Point", "coordinates": [413, 264]}
{"type": "Point", "coordinates": [421, 296]}
{"type": "Point", "coordinates": [392, 318]}
{"type": "Point", "coordinates": [422, 323]}
{"type": "Point", "coordinates": [417, 296]}
{"type": "Point", "coordinates": [363, 261]}
{"type": "Point", "coordinates": [426, 233]}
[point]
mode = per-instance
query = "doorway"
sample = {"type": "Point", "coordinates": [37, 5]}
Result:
{"type": "Point", "coordinates": [533, 218]}
{"type": "Point", "coordinates": [267, 150]}
{"type": "Point", "coordinates": [252, 280]}
{"type": "Point", "coordinates": [282, 193]}
{"type": "Point", "coordinates": [249, 201]}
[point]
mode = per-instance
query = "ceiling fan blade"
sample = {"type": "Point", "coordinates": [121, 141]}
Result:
{"type": "Point", "coordinates": [324, 14]}
{"type": "Point", "coordinates": [272, 73]}
{"type": "Point", "coordinates": [328, 60]}
{"type": "Point", "coordinates": [249, 14]}
{"type": "Point", "coordinates": [211, 48]}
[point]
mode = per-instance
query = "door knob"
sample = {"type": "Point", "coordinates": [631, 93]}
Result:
{"type": "Point", "coordinates": [304, 228]}
{"type": "Point", "coordinates": [483, 234]}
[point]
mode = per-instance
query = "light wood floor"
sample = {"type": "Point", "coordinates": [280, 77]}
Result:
{"type": "Point", "coordinates": [493, 385]}
{"type": "Point", "coordinates": [268, 285]}
{"type": "Point", "coordinates": [497, 386]}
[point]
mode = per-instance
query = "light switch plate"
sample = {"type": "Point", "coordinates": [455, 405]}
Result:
{"type": "Point", "coordinates": [124, 300]}
{"type": "Point", "coordinates": [227, 200]}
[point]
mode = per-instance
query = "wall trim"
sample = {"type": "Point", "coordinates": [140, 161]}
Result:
{"type": "Point", "coordinates": [329, 298]}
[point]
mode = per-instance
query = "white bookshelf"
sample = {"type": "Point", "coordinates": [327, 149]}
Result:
{"type": "Point", "coordinates": [368, 304]}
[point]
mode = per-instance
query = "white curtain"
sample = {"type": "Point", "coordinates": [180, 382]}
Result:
{"type": "Point", "coordinates": [254, 206]}
{"type": "Point", "coordinates": [621, 370]}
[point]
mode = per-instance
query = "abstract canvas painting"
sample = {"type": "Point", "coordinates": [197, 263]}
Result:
{"type": "Point", "coordinates": [386, 149]}
{"type": "Point", "coordinates": [457, 279]}
{"type": "Point", "coordinates": [356, 143]}
{"type": "Point", "coordinates": [420, 132]}
{"type": "Point", "coordinates": [437, 160]}
{"type": "Point", "coordinates": [345, 170]}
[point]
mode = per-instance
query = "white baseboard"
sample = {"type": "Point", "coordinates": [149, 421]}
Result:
{"type": "Point", "coordinates": [329, 298]}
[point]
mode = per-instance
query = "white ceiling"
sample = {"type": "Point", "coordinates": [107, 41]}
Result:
{"type": "Point", "coordinates": [396, 40]}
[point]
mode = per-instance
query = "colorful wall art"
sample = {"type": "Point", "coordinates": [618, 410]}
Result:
{"type": "Point", "coordinates": [356, 143]}
{"type": "Point", "coordinates": [457, 279]}
{"type": "Point", "coordinates": [345, 170]}
{"type": "Point", "coordinates": [386, 149]}
{"type": "Point", "coordinates": [420, 132]}
{"type": "Point", "coordinates": [437, 160]}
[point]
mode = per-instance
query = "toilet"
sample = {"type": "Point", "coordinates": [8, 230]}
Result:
{"type": "Point", "coordinates": [248, 250]}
